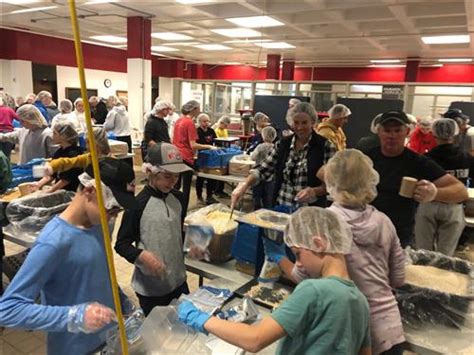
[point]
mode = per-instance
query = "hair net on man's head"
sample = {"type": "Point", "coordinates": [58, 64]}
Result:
{"type": "Point", "coordinates": [159, 106]}
{"type": "Point", "coordinates": [65, 106]}
{"type": "Point", "coordinates": [260, 116]}
{"type": "Point", "coordinates": [202, 116]}
{"type": "Point", "coordinates": [32, 115]}
{"type": "Point", "coordinates": [189, 106]}
{"type": "Point", "coordinates": [375, 122]}
{"type": "Point", "coordinates": [445, 128]}
{"type": "Point", "coordinates": [350, 178]}
{"type": "Point", "coordinates": [67, 132]}
{"type": "Point", "coordinates": [269, 134]}
{"type": "Point", "coordinates": [101, 140]}
{"type": "Point", "coordinates": [303, 107]}
{"type": "Point", "coordinates": [339, 111]}
{"type": "Point", "coordinates": [224, 119]}
{"type": "Point", "coordinates": [309, 223]}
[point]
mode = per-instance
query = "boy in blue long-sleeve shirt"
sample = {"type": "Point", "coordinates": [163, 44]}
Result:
{"type": "Point", "coordinates": [67, 267]}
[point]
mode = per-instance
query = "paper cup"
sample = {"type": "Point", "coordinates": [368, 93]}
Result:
{"type": "Point", "coordinates": [407, 188]}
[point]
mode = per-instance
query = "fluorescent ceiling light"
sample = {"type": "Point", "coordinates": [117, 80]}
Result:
{"type": "Point", "coordinates": [163, 49]}
{"type": "Point", "coordinates": [33, 9]}
{"type": "Point", "coordinates": [255, 21]}
{"type": "Point", "coordinates": [385, 61]}
{"type": "Point", "coordinates": [455, 60]}
{"type": "Point", "coordinates": [248, 41]}
{"type": "Point", "coordinates": [275, 45]}
{"type": "Point", "coordinates": [110, 39]}
{"type": "Point", "coordinates": [446, 39]}
{"type": "Point", "coordinates": [237, 32]}
{"type": "Point", "coordinates": [212, 47]}
{"type": "Point", "coordinates": [231, 63]}
{"type": "Point", "coordinates": [182, 43]}
{"type": "Point", "coordinates": [189, 2]}
{"type": "Point", "coordinates": [171, 36]}
{"type": "Point", "coordinates": [388, 66]}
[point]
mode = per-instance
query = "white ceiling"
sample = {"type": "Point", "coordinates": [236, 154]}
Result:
{"type": "Point", "coordinates": [324, 32]}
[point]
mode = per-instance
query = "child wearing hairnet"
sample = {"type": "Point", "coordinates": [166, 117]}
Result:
{"type": "Point", "coordinates": [263, 192]}
{"type": "Point", "coordinates": [325, 314]}
{"type": "Point", "coordinates": [65, 135]}
{"type": "Point", "coordinates": [376, 260]}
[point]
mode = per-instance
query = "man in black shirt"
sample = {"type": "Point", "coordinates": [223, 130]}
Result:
{"type": "Point", "coordinates": [438, 226]}
{"type": "Point", "coordinates": [393, 161]}
{"type": "Point", "coordinates": [156, 129]}
{"type": "Point", "coordinates": [206, 135]}
{"type": "Point", "coordinates": [98, 109]}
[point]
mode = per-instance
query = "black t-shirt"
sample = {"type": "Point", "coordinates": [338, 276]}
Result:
{"type": "Point", "coordinates": [206, 137]}
{"type": "Point", "coordinates": [452, 159]}
{"type": "Point", "coordinates": [401, 210]}
{"type": "Point", "coordinates": [156, 129]}
{"type": "Point", "coordinates": [71, 174]}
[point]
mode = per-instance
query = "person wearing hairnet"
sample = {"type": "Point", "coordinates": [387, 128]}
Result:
{"type": "Point", "coordinates": [67, 266]}
{"type": "Point", "coordinates": [422, 139]}
{"type": "Point", "coordinates": [392, 160]}
{"type": "Point", "coordinates": [438, 226]}
{"type": "Point", "coordinates": [35, 138]}
{"type": "Point", "coordinates": [38, 103]}
{"type": "Point", "coordinates": [463, 138]}
{"type": "Point", "coordinates": [288, 118]}
{"type": "Point", "coordinates": [7, 115]}
{"type": "Point", "coordinates": [331, 129]}
{"type": "Point", "coordinates": [372, 140]}
{"type": "Point", "coordinates": [293, 164]}
{"type": "Point", "coordinates": [185, 139]}
{"type": "Point", "coordinates": [150, 236]}
{"type": "Point", "coordinates": [65, 115]}
{"type": "Point", "coordinates": [325, 314]}
{"type": "Point", "coordinates": [220, 127]}
{"type": "Point", "coordinates": [67, 138]}
{"type": "Point", "coordinates": [118, 122]}
{"type": "Point", "coordinates": [156, 128]}
{"type": "Point", "coordinates": [263, 192]}
{"type": "Point", "coordinates": [261, 121]}
{"type": "Point", "coordinates": [98, 109]}
{"type": "Point", "coordinates": [79, 114]}
{"type": "Point", "coordinates": [171, 119]}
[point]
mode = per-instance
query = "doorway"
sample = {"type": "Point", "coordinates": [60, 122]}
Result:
{"type": "Point", "coordinates": [44, 78]}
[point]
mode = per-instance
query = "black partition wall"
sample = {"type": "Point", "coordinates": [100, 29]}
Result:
{"type": "Point", "coordinates": [275, 107]}
{"type": "Point", "coordinates": [363, 111]}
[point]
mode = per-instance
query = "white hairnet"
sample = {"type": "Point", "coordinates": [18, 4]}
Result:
{"type": "Point", "coordinates": [101, 140]}
{"type": "Point", "coordinates": [67, 132]}
{"type": "Point", "coordinates": [302, 107]}
{"type": "Point", "coordinates": [260, 116]}
{"type": "Point", "coordinates": [159, 106]}
{"type": "Point", "coordinates": [224, 119]}
{"type": "Point", "coordinates": [425, 122]}
{"type": "Point", "coordinates": [269, 134]}
{"type": "Point", "coordinates": [375, 122]}
{"type": "Point", "coordinates": [350, 178]}
{"type": "Point", "coordinates": [43, 94]}
{"type": "Point", "coordinates": [109, 200]}
{"type": "Point", "coordinates": [77, 101]}
{"type": "Point", "coordinates": [189, 106]}
{"type": "Point", "coordinates": [339, 111]}
{"type": "Point", "coordinates": [294, 102]}
{"type": "Point", "coordinates": [334, 235]}
{"type": "Point", "coordinates": [445, 128]}
{"type": "Point", "coordinates": [202, 116]}
{"type": "Point", "coordinates": [65, 106]}
{"type": "Point", "coordinates": [32, 115]}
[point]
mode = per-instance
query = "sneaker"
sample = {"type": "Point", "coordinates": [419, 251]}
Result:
{"type": "Point", "coordinates": [211, 200]}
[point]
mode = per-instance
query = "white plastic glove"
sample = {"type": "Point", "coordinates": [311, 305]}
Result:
{"type": "Point", "coordinates": [237, 194]}
{"type": "Point", "coordinates": [425, 191]}
{"type": "Point", "coordinates": [150, 264]}
{"type": "Point", "coordinates": [89, 317]}
{"type": "Point", "coordinates": [307, 195]}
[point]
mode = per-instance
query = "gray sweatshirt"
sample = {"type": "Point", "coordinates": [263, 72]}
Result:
{"type": "Point", "coordinates": [118, 122]}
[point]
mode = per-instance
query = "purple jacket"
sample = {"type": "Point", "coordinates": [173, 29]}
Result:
{"type": "Point", "coordinates": [376, 264]}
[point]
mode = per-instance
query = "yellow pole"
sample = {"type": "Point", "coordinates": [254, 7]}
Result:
{"type": "Point", "coordinates": [95, 165]}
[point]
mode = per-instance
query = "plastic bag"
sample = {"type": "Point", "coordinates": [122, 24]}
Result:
{"type": "Point", "coordinates": [419, 306]}
{"type": "Point", "coordinates": [24, 172]}
{"type": "Point", "coordinates": [197, 241]}
{"type": "Point", "coordinates": [208, 299]}
{"type": "Point", "coordinates": [132, 330]}
{"type": "Point", "coordinates": [28, 215]}
{"type": "Point", "coordinates": [244, 312]}
{"type": "Point", "coordinates": [269, 274]}
{"type": "Point", "coordinates": [216, 216]}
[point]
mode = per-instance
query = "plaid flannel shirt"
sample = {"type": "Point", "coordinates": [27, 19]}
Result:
{"type": "Point", "coordinates": [295, 171]}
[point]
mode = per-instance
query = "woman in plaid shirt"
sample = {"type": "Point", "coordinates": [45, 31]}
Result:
{"type": "Point", "coordinates": [293, 163]}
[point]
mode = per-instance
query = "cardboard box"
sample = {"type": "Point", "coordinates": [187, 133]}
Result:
{"type": "Point", "coordinates": [118, 148]}
{"type": "Point", "coordinates": [240, 168]}
{"type": "Point", "coordinates": [215, 171]}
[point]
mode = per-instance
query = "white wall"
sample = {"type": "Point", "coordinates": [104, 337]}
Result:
{"type": "Point", "coordinates": [16, 77]}
{"type": "Point", "coordinates": [68, 77]}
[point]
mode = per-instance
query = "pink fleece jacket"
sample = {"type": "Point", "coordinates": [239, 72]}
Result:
{"type": "Point", "coordinates": [376, 265]}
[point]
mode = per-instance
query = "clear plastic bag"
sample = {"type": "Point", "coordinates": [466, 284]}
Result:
{"type": "Point", "coordinates": [215, 215]}
{"type": "Point", "coordinates": [28, 215]}
{"type": "Point", "coordinates": [245, 311]}
{"type": "Point", "coordinates": [269, 274]}
{"type": "Point", "coordinates": [197, 240]}
{"type": "Point", "coordinates": [208, 299]}
{"type": "Point", "coordinates": [132, 330]}
{"type": "Point", "coordinates": [420, 306]}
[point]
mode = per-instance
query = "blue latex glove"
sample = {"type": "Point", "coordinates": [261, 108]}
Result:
{"type": "Point", "coordinates": [274, 251]}
{"type": "Point", "coordinates": [195, 318]}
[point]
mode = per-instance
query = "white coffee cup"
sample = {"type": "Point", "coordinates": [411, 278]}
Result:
{"type": "Point", "coordinates": [407, 188]}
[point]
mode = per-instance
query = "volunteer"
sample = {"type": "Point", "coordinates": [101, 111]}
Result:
{"type": "Point", "coordinates": [118, 122]}
{"type": "Point", "coordinates": [332, 128]}
{"type": "Point", "coordinates": [293, 164]}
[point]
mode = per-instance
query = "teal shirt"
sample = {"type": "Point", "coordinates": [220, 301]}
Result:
{"type": "Point", "coordinates": [324, 316]}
